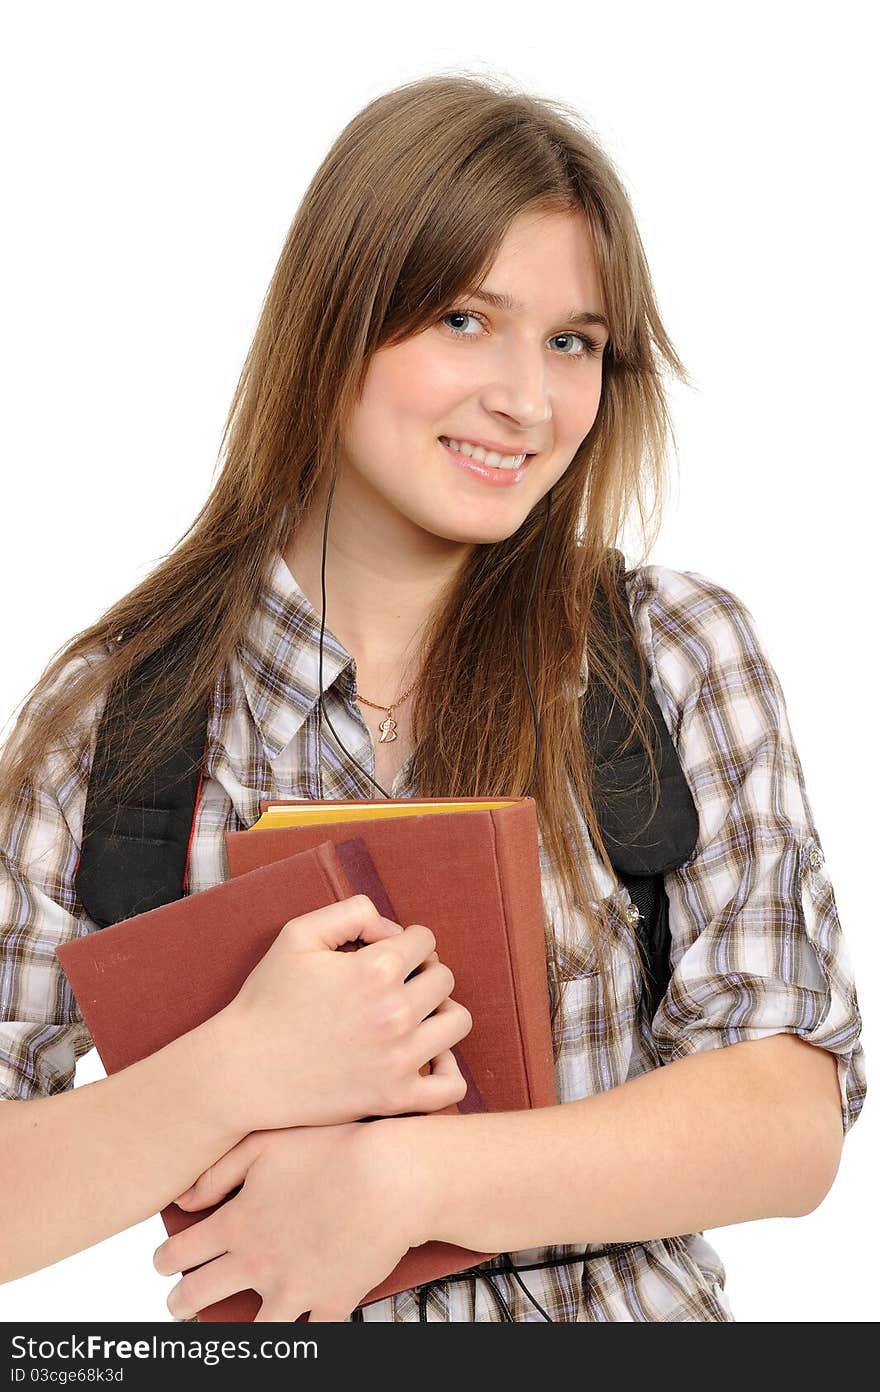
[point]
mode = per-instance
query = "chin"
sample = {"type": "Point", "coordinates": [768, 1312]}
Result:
{"type": "Point", "coordinates": [478, 534]}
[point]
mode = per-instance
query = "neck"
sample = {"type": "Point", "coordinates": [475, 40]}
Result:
{"type": "Point", "coordinates": [383, 584]}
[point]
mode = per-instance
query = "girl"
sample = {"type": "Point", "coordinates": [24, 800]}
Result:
{"type": "Point", "coordinates": [456, 373]}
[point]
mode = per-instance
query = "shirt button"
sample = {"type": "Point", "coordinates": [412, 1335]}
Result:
{"type": "Point", "coordinates": [816, 858]}
{"type": "Point", "coordinates": [632, 915]}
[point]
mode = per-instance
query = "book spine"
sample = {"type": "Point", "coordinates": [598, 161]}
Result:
{"type": "Point", "coordinates": [328, 858]}
{"type": "Point", "coordinates": [519, 874]}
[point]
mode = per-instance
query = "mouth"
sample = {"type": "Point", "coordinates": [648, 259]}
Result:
{"type": "Point", "coordinates": [499, 475]}
{"type": "Point", "coordinates": [496, 457]}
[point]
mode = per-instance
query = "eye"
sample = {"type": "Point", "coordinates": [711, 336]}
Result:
{"type": "Point", "coordinates": [459, 314]}
{"type": "Point", "coordinates": [592, 346]}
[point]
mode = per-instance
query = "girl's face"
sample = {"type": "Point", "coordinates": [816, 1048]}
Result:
{"type": "Point", "coordinates": [526, 376]}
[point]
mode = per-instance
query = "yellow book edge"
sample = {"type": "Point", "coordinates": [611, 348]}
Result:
{"type": "Point", "coordinates": [321, 812]}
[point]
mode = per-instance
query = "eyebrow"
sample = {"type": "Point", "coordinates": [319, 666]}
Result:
{"type": "Point", "coordinates": [507, 302]}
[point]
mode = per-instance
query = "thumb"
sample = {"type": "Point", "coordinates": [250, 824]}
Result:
{"type": "Point", "coordinates": [348, 921]}
{"type": "Point", "coordinates": [223, 1176]}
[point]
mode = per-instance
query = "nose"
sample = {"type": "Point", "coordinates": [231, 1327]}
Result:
{"type": "Point", "coordinates": [517, 388]}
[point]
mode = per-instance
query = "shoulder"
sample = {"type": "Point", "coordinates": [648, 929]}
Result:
{"type": "Point", "coordinates": [78, 739]}
{"type": "Point", "coordinates": [684, 606]}
{"type": "Point", "coordinates": [700, 638]}
{"type": "Point", "coordinates": [68, 675]}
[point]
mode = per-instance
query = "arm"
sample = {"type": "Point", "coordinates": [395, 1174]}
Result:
{"type": "Point", "coordinates": [78, 1165]}
{"type": "Point", "coordinates": [129, 1144]}
{"type": "Point", "coordinates": [746, 1131]}
{"type": "Point", "coordinates": [728, 1135]}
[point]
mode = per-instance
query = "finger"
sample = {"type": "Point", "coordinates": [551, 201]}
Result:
{"type": "Point", "coordinates": [204, 1287]}
{"type": "Point", "coordinates": [221, 1178]}
{"type": "Point", "coordinates": [445, 1065]}
{"type": "Point", "coordinates": [374, 932]}
{"type": "Point", "coordinates": [410, 947]}
{"type": "Point", "coordinates": [198, 1243]}
{"type": "Point", "coordinates": [429, 961]}
{"type": "Point", "coordinates": [278, 1309]}
{"type": "Point", "coordinates": [449, 1024]}
{"type": "Point", "coordinates": [428, 989]}
{"type": "Point", "coordinates": [335, 924]}
{"type": "Point", "coordinates": [435, 1091]}
{"type": "Point", "coordinates": [379, 930]}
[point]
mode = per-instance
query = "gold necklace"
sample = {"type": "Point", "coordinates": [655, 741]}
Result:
{"type": "Point", "coordinates": [389, 725]}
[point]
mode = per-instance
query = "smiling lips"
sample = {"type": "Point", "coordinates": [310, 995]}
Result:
{"type": "Point", "coordinates": [499, 457]}
{"type": "Point", "coordinates": [499, 475]}
{"type": "Point", "coordinates": [498, 446]}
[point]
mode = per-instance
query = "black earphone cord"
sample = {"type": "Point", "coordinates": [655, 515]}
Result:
{"type": "Point", "coordinates": [486, 1271]}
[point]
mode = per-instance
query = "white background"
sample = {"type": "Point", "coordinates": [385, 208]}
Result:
{"type": "Point", "coordinates": [154, 157]}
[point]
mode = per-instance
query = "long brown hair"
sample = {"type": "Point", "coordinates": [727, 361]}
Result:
{"type": "Point", "coordinates": [407, 211]}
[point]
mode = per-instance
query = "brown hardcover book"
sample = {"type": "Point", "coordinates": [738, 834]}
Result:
{"type": "Point", "coordinates": [147, 980]}
{"type": "Point", "coordinates": [467, 868]}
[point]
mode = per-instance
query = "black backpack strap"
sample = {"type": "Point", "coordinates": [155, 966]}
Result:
{"type": "Point", "coordinates": [641, 848]}
{"type": "Point", "coordinates": [134, 856]}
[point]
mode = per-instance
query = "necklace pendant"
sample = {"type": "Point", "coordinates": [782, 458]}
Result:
{"type": "Point", "coordinates": [389, 730]}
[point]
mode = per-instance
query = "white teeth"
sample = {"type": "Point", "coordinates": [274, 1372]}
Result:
{"type": "Point", "coordinates": [498, 461]}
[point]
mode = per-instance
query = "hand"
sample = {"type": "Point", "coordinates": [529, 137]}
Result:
{"type": "Point", "coordinates": [325, 1213]}
{"type": "Point", "coordinates": [317, 1036]}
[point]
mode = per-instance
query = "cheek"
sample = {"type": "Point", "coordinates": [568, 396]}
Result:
{"type": "Point", "coordinates": [581, 406]}
{"type": "Point", "coordinates": [414, 382]}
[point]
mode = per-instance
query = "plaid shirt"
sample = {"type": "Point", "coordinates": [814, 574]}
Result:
{"type": "Point", "coordinates": [757, 947]}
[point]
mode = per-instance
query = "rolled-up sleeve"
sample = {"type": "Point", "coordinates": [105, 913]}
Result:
{"type": "Point", "coordinates": [42, 1033]}
{"type": "Point", "coordinates": [757, 945]}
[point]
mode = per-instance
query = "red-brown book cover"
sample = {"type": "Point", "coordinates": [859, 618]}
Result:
{"type": "Point", "coordinates": [147, 980]}
{"type": "Point", "coordinates": [469, 869]}
{"type": "Point", "coordinates": [151, 978]}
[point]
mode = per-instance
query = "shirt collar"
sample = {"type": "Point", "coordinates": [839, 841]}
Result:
{"type": "Point", "coordinates": [278, 657]}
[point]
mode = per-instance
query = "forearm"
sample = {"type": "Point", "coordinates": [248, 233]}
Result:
{"type": "Point", "coordinates": [78, 1167]}
{"type": "Point", "coordinates": [704, 1142]}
